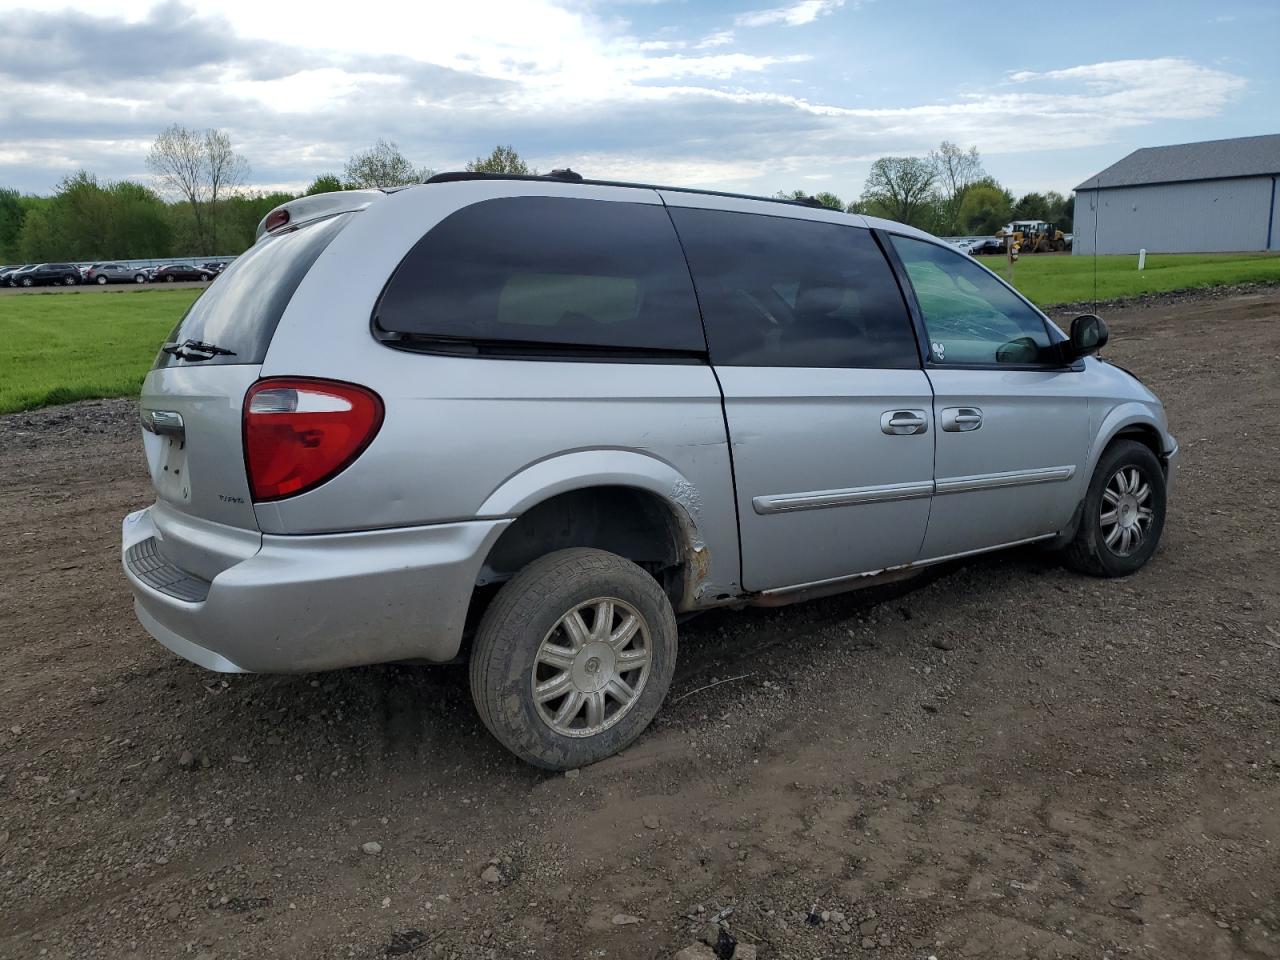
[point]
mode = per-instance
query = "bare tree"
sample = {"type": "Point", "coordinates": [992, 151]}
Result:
{"type": "Point", "coordinates": [504, 159]}
{"type": "Point", "coordinates": [382, 165]}
{"type": "Point", "coordinates": [900, 188]}
{"type": "Point", "coordinates": [226, 168]}
{"type": "Point", "coordinates": [955, 170]}
{"type": "Point", "coordinates": [200, 167]}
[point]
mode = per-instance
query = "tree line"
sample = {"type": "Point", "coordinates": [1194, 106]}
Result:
{"type": "Point", "coordinates": [198, 206]}
{"type": "Point", "coordinates": [947, 193]}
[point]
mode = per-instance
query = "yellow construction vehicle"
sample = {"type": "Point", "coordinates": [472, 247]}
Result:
{"type": "Point", "coordinates": [1033, 236]}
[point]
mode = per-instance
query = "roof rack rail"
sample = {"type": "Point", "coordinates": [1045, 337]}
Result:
{"type": "Point", "coordinates": [565, 175]}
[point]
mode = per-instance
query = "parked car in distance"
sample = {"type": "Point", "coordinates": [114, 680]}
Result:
{"type": "Point", "coordinates": [532, 421]}
{"type": "Point", "coordinates": [104, 273]}
{"type": "Point", "coordinates": [180, 271]}
{"type": "Point", "coordinates": [6, 272]}
{"type": "Point", "coordinates": [46, 274]}
{"type": "Point", "coordinates": [215, 267]}
{"type": "Point", "coordinates": [986, 247]}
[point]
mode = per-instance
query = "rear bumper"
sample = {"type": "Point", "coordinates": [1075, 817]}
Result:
{"type": "Point", "coordinates": [321, 602]}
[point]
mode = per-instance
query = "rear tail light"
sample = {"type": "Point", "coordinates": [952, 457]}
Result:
{"type": "Point", "coordinates": [299, 433]}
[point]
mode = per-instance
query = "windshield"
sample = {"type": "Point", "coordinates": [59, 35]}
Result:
{"type": "Point", "coordinates": [240, 312]}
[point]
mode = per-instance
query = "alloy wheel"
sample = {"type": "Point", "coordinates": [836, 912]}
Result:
{"type": "Point", "coordinates": [1125, 514]}
{"type": "Point", "coordinates": [591, 667]}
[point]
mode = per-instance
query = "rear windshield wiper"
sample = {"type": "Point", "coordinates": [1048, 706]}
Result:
{"type": "Point", "coordinates": [196, 350]}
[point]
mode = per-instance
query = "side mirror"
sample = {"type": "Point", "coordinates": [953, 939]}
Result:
{"type": "Point", "coordinates": [1089, 334]}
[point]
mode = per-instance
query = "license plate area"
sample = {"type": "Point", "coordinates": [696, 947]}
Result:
{"type": "Point", "coordinates": [167, 460]}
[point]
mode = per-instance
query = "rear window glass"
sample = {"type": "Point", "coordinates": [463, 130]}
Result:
{"type": "Point", "coordinates": [784, 292]}
{"type": "Point", "coordinates": [241, 309]}
{"type": "Point", "coordinates": [546, 272]}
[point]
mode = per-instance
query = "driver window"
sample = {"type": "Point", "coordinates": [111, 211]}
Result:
{"type": "Point", "coordinates": [970, 316]}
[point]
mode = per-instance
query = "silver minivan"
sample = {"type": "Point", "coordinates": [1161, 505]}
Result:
{"type": "Point", "coordinates": [533, 421]}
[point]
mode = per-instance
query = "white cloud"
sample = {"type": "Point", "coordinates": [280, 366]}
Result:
{"type": "Point", "coordinates": [793, 15]}
{"type": "Point", "coordinates": [300, 93]}
{"type": "Point", "coordinates": [717, 39]}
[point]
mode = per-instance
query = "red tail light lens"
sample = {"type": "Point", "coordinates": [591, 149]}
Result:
{"type": "Point", "coordinates": [299, 433]}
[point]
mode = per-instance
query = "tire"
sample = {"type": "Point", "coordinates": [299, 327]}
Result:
{"type": "Point", "coordinates": [1090, 551]}
{"type": "Point", "coordinates": [140, 278]}
{"type": "Point", "coordinates": [525, 622]}
{"type": "Point", "coordinates": [26, 281]}
{"type": "Point", "coordinates": [69, 281]}
{"type": "Point", "coordinates": [100, 280]}
{"type": "Point", "coordinates": [168, 278]}
{"type": "Point", "coordinates": [204, 278]}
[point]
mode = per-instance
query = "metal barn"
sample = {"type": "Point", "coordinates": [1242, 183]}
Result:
{"type": "Point", "coordinates": [1213, 196]}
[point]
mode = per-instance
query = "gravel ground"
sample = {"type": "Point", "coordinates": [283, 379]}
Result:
{"type": "Point", "coordinates": [1005, 760]}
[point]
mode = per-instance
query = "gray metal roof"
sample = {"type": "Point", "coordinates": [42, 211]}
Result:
{"type": "Point", "coordinates": [1206, 160]}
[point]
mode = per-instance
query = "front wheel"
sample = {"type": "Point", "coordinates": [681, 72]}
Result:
{"type": "Point", "coordinates": [140, 278]}
{"type": "Point", "coordinates": [573, 658]}
{"type": "Point", "coordinates": [169, 278]}
{"type": "Point", "coordinates": [1123, 513]}
{"type": "Point", "coordinates": [101, 280]}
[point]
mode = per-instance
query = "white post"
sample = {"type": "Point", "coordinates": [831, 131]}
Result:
{"type": "Point", "coordinates": [1142, 259]}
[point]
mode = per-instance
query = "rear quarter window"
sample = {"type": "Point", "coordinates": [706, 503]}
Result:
{"type": "Point", "coordinates": [242, 310]}
{"type": "Point", "coordinates": [547, 275]}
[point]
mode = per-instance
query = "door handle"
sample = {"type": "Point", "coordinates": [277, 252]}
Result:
{"type": "Point", "coordinates": [961, 419]}
{"type": "Point", "coordinates": [903, 423]}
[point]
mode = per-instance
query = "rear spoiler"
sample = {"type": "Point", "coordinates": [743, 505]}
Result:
{"type": "Point", "coordinates": [315, 207]}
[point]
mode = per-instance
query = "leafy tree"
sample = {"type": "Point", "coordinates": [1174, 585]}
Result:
{"type": "Point", "coordinates": [1031, 206]}
{"type": "Point", "coordinates": [503, 159]}
{"type": "Point", "coordinates": [325, 183]}
{"type": "Point", "coordinates": [382, 165]}
{"type": "Point", "coordinates": [36, 242]}
{"type": "Point", "coordinates": [1061, 210]}
{"type": "Point", "coordinates": [955, 170]}
{"type": "Point", "coordinates": [900, 188]}
{"type": "Point", "coordinates": [11, 214]}
{"type": "Point", "coordinates": [985, 207]}
{"type": "Point", "coordinates": [200, 167]}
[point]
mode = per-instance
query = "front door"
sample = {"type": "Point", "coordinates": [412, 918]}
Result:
{"type": "Point", "coordinates": [1013, 420]}
{"type": "Point", "coordinates": [829, 413]}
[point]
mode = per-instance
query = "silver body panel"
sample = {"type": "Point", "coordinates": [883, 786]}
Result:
{"type": "Point", "coordinates": [834, 476]}
{"type": "Point", "coordinates": [801, 439]}
{"type": "Point", "coordinates": [1020, 474]}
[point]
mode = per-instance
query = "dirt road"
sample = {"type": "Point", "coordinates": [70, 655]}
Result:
{"type": "Point", "coordinates": [1009, 760]}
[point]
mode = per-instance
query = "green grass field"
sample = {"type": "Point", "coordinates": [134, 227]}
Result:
{"type": "Point", "coordinates": [61, 347]}
{"type": "Point", "coordinates": [1049, 279]}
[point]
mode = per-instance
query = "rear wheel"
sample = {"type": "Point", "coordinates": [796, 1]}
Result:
{"type": "Point", "coordinates": [573, 658]}
{"type": "Point", "coordinates": [1123, 513]}
{"type": "Point", "coordinates": [139, 278]}
{"type": "Point", "coordinates": [169, 278]}
{"type": "Point", "coordinates": [69, 280]}
{"type": "Point", "coordinates": [101, 280]}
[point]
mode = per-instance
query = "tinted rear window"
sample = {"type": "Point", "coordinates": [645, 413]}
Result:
{"type": "Point", "coordinates": [546, 272]}
{"type": "Point", "coordinates": [783, 292]}
{"type": "Point", "coordinates": [241, 310]}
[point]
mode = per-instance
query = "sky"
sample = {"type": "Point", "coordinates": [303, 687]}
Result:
{"type": "Point", "coordinates": [745, 96]}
